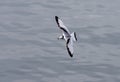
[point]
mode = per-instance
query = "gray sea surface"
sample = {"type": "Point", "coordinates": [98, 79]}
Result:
{"type": "Point", "coordinates": [30, 51]}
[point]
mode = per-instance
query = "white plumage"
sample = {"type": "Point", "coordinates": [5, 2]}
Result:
{"type": "Point", "coordinates": [69, 38]}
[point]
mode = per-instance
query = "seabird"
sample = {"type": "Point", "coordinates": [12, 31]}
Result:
{"type": "Point", "coordinates": [69, 38]}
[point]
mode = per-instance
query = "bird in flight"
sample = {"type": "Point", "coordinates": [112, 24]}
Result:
{"type": "Point", "coordinates": [69, 38]}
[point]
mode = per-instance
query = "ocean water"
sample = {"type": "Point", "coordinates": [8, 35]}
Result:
{"type": "Point", "coordinates": [30, 51]}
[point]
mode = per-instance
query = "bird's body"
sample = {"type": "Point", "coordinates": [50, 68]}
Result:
{"type": "Point", "coordinates": [69, 38]}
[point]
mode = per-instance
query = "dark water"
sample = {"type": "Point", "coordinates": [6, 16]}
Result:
{"type": "Point", "coordinates": [30, 51]}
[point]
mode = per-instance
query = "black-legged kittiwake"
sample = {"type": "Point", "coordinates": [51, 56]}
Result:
{"type": "Point", "coordinates": [69, 38]}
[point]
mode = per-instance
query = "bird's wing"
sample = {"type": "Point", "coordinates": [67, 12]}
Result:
{"type": "Point", "coordinates": [69, 46]}
{"type": "Point", "coordinates": [62, 26]}
{"type": "Point", "coordinates": [73, 35]}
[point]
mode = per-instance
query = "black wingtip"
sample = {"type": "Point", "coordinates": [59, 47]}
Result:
{"type": "Point", "coordinates": [71, 55]}
{"type": "Point", "coordinates": [56, 18]}
{"type": "Point", "coordinates": [75, 36]}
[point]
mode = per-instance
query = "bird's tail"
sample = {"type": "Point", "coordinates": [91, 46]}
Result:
{"type": "Point", "coordinates": [73, 36]}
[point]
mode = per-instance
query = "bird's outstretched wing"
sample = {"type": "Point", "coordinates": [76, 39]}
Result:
{"type": "Point", "coordinates": [74, 37]}
{"type": "Point", "coordinates": [62, 26]}
{"type": "Point", "coordinates": [69, 46]}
